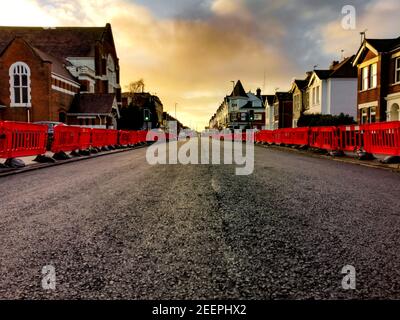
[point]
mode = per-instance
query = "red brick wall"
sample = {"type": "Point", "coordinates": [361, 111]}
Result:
{"type": "Point", "coordinates": [40, 83]}
{"type": "Point", "coordinates": [46, 102]}
{"type": "Point", "coordinates": [379, 93]}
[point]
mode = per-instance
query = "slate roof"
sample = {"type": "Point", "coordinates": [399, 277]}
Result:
{"type": "Point", "coordinates": [384, 45]}
{"type": "Point", "coordinates": [93, 103]}
{"type": "Point", "coordinates": [57, 66]}
{"type": "Point", "coordinates": [60, 42]}
{"type": "Point", "coordinates": [238, 90]}
{"type": "Point", "coordinates": [344, 69]}
{"type": "Point", "coordinates": [301, 84]}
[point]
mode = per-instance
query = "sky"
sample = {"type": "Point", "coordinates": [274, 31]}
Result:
{"type": "Point", "coordinates": [189, 51]}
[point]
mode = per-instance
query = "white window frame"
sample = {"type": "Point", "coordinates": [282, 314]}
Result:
{"type": "Point", "coordinates": [317, 95]}
{"type": "Point", "coordinates": [373, 76]}
{"type": "Point", "coordinates": [12, 69]}
{"type": "Point", "coordinates": [397, 70]}
{"type": "Point", "coordinates": [365, 78]}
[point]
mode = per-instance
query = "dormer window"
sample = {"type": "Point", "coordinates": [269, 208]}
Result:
{"type": "Point", "coordinates": [20, 85]}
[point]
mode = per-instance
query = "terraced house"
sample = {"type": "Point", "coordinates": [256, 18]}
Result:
{"type": "Point", "coordinates": [333, 91]}
{"type": "Point", "coordinates": [378, 63]}
{"type": "Point", "coordinates": [62, 74]}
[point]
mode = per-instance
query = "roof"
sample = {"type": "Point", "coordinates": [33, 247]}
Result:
{"type": "Point", "coordinates": [384, 45]}
{"type": "Point", "coordinates": [57, 66]}
{"type": "Point", "coordinates": [93, 103]}
{"type": "Point", "coordinates": [377, 46]}
{"type": "Point", "coordinates": [283, 96]}
{"type": "Point", "coordinates": [238, 90]}
{"type": "Point", "coordinates": [323, 74]}
{"type": "Point", "coordinates": [268, 99]}
{"type": "Point", "coordinates": [60, 42]}
{"type": "Point", "coordinates": [301, 84]}
{"type": "Point", "coordinates": [343, 69]}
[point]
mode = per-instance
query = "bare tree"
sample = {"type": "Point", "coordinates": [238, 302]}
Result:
{"type": "Point", "coordinates": [136, 87]}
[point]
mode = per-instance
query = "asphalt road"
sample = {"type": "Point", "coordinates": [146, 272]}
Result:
{"type": "Point", "coordinates": [115, 227]}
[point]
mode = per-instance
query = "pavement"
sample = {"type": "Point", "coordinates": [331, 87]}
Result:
{"type": "Point", "coordinates": [115, 227]}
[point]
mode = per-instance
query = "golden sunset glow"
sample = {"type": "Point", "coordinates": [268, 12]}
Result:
{"type": "Point", "coordinates": [190, 56]}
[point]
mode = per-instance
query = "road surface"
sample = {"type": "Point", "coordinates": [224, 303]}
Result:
{"type": "Point", "coordinates": [115, 227]}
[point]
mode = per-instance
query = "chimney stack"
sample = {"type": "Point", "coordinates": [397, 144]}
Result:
{"type": "Point", "coordinates": [334, 64]}
{"type": "Point", "coordinates": [258, 92]}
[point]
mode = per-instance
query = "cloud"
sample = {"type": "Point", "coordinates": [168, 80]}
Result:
{"type": "Point", "coordinates": [379, 18]}
{"type": "Point", "coordinates": [188, 51]}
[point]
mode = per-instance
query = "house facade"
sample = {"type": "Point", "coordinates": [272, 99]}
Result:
{"type": "Point", "coordinates": [300, 98]}
{"type": "Point", "coordinates": [378, 64]}
{"type": "Point", "coordinates": [269, 112]}
{"type": "Point", "coordinates": [234, 111]}
{"type": "Point", "coordinates": [333, 91]}
{"type": "Point", "coordinates": [283, 110]}
{"type": "Point", "coordinates": [44, 70]}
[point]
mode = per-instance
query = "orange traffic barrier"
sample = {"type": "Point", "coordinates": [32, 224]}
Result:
{"type": "Point", "coordinates": [382, 138]}
{"type": "Point", "coordinates": [66, 138]}
{"type": "Point", "coordinates": [350, 137]}
{"type": "Point", "coordinates": [20, 139]}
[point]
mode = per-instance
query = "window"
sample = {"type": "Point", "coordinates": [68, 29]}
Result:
{"type": "Point", "coordinates": [364, 115]}
{"type": "Point", "coordinates": [369, 77]}
{"type": "Point", "coordinates": [397, 69]}
{"type": "Point", "coordinates": [372, 115]}
{"type": "Point", "coordinates": [313, 96]}
{"type": "Point", "coordinates": [20, 84]}
{"type": "Point", "coordinates": [373, 80]}
{"type": "Point", "coordinates": [365, 79]}
{"type": "Point", "coordinates": [317, 97]}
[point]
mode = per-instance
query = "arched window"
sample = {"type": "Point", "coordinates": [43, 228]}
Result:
{"type": "Point", "coordinates": [20, 85]}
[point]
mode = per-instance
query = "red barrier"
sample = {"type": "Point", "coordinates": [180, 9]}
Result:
{"type": "Point", "coordinates": [350, 137]}
{"type": "Point", "coordinates": [99, 138]}
{"type": "Point", "coordinates": [112, 137]}
{"type": "Point", "coordinates": [141, 136]}
{"type": "Point", "coordinates": [124, 137]}
{"type": "Point", "coordinates": [133, 138]}
{"type": "Point", "coordinates": [324, 138]}
{"type": "Point", "coordinates": [382, 138]}
{"type": "Point", "coordinates": [85, 138]}
{"type": "Point", "coordinates": [66, 138]}
{"type": "Point", "coordinates": [19, 139]}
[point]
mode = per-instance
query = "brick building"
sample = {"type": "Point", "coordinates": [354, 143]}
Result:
{"type": "Point", "coordinates": [67, 74]}
{"type": "Point", "coordinates": [378, 63]}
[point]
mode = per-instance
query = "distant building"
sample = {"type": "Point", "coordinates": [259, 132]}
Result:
{"type": "Point", "coordinates": [300, 98]}
{"type": "Point", "coordinates": [61, 74]}
{"type": "Point", "coordinates": [142, 101]}
{"type": "Point", "coordinates": [233, 113]}
{"type": "Point", "coordinates": [283, 110]}
{"type": "Point", "coordinates": [269, 112]}
{"type": "Point", "coordinates": [378, 64]}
